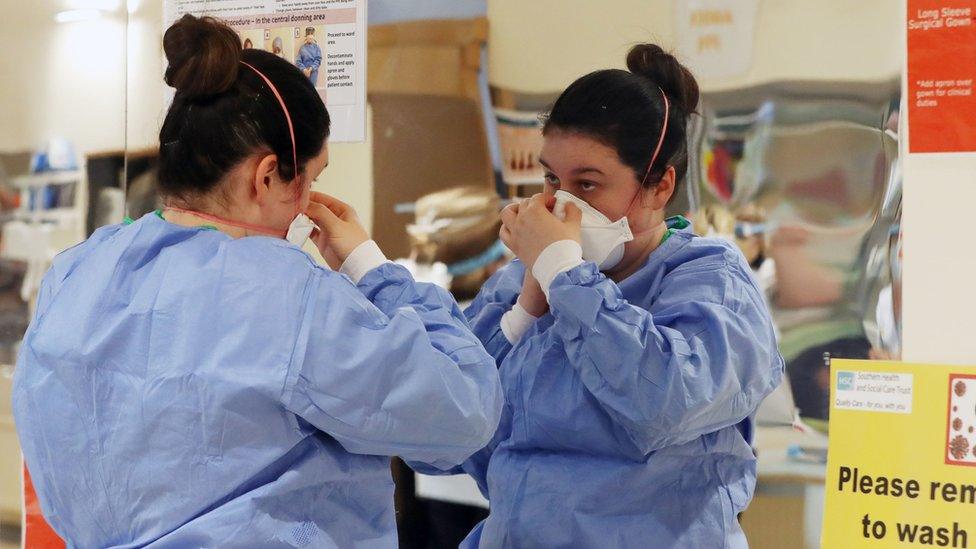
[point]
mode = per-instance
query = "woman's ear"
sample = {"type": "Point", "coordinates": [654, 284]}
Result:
{"type": "Point", "coordinates": [657, 198]}
{"type": "Point", "coordinates": [265, 175]}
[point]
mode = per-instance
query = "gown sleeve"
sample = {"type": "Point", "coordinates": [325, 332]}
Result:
{"type": "Point", "coordinates": [391, 368]}
{"type": "Point", "coordinates": [701, 359]}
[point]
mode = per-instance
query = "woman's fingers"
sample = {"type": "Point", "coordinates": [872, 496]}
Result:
{"type": "Point", "coordinates": [322, 216]}
{"type": "Point", "coordinates": [573, 215]}
{"type": "Point", "coordinates": [538, 201]}
{"type": "Point", "coordinates": [505, 235]}
{"type": "Point", "coordinates": [340, 208]}
{"type": "Point", "coordinates": [509, 214]}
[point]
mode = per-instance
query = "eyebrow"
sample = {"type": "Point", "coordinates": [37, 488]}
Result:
{"type": "Point", "coordinates": [578, 171]}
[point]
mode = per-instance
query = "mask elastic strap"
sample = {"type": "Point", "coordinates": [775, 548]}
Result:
{"type": "Point", "coordinates": [291, 128]}
{"type": "Point", "coordinates": [224, 221]}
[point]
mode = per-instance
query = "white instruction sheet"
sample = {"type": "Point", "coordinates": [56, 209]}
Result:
{"type": "Point", "coordinates": [325, 39]}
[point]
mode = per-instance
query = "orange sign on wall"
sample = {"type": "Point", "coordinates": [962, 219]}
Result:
{"type": "Point", "coordinates": [37, 533]}
{"type": "Point", "coordinates": [941, 75]}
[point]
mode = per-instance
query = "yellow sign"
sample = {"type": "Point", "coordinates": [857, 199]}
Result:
{"type": "Point", "coordinates": [901, 469]}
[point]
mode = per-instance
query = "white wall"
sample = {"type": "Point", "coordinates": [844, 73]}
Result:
{"type": "Point", "coordinates": [59, 79]}
{"type": "Point", "coordinates": [543, 45]}
{"type": "Point", "coordinates": [939, 284]}
{"type": "Point", "coordinates": [147, 98]}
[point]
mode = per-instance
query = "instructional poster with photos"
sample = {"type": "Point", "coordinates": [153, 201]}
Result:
{"type": "Point", "coordinates": [325, 39]}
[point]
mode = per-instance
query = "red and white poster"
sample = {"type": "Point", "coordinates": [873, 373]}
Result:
{"type": "Point", "coordinates": [941, 75]}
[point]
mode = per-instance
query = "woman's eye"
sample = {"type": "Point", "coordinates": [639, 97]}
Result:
{"type": "Point", "coordinates": [587, 186]}
{"type": "Point", "coordinates": [552, 180]}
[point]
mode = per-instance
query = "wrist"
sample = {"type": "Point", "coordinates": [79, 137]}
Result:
{"type": "Point", "coordinates": [347, 248]}
{"type": "Point", "coordinates": [364, 258]}
{"type": "Point", "coordinates": [556, 258]}
{"type": "Point", "coordinates": [532, 301]}
{"type": "Point", "coordinates": [516, 322]}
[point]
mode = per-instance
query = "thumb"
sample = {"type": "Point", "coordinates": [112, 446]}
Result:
{"type": "Point", "coordinates": [573, 215]}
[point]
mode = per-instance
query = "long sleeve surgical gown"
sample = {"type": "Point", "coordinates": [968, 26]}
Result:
{"type": "Point", "coordinates": [628, 409]}
{"type": "Point", "coordinates": [178, 388]}
{"type": "Point", "coordinates": [310, 57]}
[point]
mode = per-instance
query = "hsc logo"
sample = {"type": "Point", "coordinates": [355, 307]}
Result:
{"type": "Point", "coordinates": [845, 381]}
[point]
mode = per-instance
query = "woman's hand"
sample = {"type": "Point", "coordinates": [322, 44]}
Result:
{"type": "Point", "coordinates": [341, 231]}
{"type": "Point", "coordinates": [508, 216]}
{"type": "Point", "coordinates": [529, 227]}
{"type": "Point", "coordinates": [532, 299]}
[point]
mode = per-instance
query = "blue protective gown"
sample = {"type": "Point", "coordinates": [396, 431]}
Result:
{"type": "Point", "coordinates": [179, 388]}
{"type": "Point", "coordinates": [628, 416]}
{"type": "Point", "coordinates": [310, 57]}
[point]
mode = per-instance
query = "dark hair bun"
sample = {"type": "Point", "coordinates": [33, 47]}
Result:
{"type": "Point", "coordinates": [204, 56]}
{"type": "Point", "coordinates": [651, 61]}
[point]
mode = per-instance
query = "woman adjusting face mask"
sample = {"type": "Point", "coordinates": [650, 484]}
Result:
{"type": "Point", "coordinates": [601, 239]}
{"type": "Point", "coordinates": [633, 353]}
{"type": "Point", "coordinates": [235, 392]}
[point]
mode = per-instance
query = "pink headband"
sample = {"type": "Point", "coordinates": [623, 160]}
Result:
{"type": "Point", "coordinates": [291, 131]}
{"type": "Point", "coordinates": [660, 141]}
{"type": "Point", "coordinates": [284, 108]}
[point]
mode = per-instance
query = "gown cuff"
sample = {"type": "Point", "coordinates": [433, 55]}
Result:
{"type": "Point", "coordinates": [515, 323]}
{"type": "Point", "coordinates": [557, 258]}
{"type": "Point", "coordinates": [366, 257]}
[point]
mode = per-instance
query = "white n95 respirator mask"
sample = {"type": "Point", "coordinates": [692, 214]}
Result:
{"type": "Point", "coordinates": [300, 230]}
{"type": "Point", "coordinates": [602, 240]}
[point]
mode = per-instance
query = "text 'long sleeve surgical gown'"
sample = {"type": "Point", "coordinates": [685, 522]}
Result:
{"type": "Point", "coordinates": [178, 388]}
{"type": "Point", "coordinates": [628, 409]}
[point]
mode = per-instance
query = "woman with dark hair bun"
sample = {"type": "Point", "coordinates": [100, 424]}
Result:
{"type": "Point", "coordinates": [194, 379]}
{"type": "Point", "coordinates": [633, 353]}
